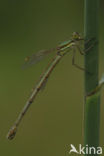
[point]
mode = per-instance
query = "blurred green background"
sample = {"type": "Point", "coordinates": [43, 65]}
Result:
{"type": "Point", "coordinates": [55, 119]}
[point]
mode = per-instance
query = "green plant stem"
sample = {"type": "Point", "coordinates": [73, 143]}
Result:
{"type": "Point", "coordinates": [92, 103]}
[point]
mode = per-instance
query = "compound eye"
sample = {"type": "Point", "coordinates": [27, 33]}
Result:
{"type": "Point", "coordinates": [76, 35]}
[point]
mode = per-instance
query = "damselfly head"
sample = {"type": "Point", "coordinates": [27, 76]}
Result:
{"type": "Point", "coordinates": [76, 36]}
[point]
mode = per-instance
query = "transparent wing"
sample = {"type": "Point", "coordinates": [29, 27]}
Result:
{"type": "Point", "coordinates": [35, 58]}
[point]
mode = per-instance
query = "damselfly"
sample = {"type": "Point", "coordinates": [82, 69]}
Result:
{"type": "Point", "coordinates": [61, 50]}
